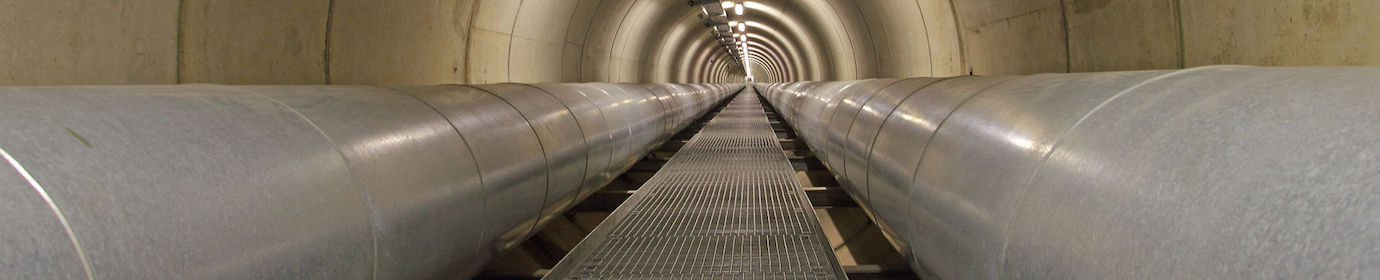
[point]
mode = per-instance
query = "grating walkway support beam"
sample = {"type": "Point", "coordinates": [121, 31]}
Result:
{"type": "Point", "coordinates": [726, 206]}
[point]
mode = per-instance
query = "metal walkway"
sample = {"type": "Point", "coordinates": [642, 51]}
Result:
{"type": "Point", "coordinates": [727, 206]}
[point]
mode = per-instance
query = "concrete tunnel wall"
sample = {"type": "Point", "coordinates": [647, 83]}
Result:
{"type": "Point", "coordinates": [487, 41]}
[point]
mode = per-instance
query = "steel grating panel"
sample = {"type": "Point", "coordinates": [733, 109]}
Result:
{"type": "Point", "coordinates": [728, 205]}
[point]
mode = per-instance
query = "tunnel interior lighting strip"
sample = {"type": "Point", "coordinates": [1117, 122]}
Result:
{"type": "Point", "coordinates": [734, 43]}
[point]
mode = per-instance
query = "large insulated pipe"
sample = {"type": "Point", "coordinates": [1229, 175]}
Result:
{"type": "Point", "coordinates": [1221, 172]}
{"type": "Point", "coordinates": [308, 182]}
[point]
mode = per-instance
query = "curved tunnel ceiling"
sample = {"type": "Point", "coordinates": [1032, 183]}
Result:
{"type": "Point", "coordinates": [491, 41]}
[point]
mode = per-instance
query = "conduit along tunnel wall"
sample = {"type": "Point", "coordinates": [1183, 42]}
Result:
{"type": "Point", "coordinates": [616, 139]}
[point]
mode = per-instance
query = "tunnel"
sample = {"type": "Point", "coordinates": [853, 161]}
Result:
{"type": "Point", "coordinates": [689, 139]}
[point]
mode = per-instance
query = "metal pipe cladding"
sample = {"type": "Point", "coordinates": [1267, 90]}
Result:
{"type": "Point", "coordinates": [309, 182]}
{"type": "Point", "coordinates": [1223, 172]}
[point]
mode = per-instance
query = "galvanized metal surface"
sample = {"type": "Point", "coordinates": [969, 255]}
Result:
{"type": "Point", "coordinates": [1206, 173]}
{"type": "Point", "coordinates": [728, 205]}
{"type": "Point", "coordinates": [306, 182]}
